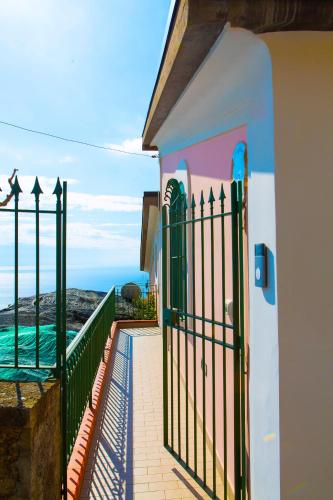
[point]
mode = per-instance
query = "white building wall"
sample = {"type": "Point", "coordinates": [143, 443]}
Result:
{"type": "Point", "coordinates": [303, 100]}
{"type": "Point", "coordinates": [233, 88]}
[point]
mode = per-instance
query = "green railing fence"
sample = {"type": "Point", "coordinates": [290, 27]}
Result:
{"type": "Point", "coordinates": [83, 357]}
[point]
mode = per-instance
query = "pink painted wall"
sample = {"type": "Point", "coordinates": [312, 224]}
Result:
{"type": "Point", "coordinates": [209, 159]}
{"type": "Point", "coordinates": [208, 164]}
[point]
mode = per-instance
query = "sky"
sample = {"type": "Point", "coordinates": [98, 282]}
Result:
{"type": "Point", "coordinates": [83, 69]}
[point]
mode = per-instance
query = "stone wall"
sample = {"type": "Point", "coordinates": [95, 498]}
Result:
{"type": "Point", "coordinates": [30, 440]}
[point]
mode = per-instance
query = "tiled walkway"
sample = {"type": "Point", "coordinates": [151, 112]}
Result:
{"type": "Point", "coordinates": [127, 459]}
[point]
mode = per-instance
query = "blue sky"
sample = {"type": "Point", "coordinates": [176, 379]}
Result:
{"type": "Point", "coordinates": [83, 69]}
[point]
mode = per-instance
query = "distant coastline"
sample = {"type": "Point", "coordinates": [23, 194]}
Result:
{"type": "Point", "coordinates": [101, 279]}
{"type": "Point", "coordinates": [80, 306]}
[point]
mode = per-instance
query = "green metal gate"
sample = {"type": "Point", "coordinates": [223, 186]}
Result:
{"type": "Point", "coordinates": [58, 369]}
{"type": "Point", "coordinates": [60, 192]}
{"type": "Point", "coordinates": [203, 338]}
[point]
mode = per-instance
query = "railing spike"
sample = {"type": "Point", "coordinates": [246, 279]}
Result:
{"type": "Point", "coordinates": [193, 205]}
{"type": "Point", "coordinates": [202, 201]}
{"type": "Point", "coordinates": [37, 190]}
{"type": "Point", "coordinates": [16, 189]}
{"type": "Point", "coordinates": [211, 198]}
{"type": "Point", "coordinates": [58, 189]}
{"type": "Point", "coordinates": [222, 194]}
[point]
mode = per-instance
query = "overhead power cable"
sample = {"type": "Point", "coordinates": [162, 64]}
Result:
{"type": "Point", "coordinates": [75, 141]}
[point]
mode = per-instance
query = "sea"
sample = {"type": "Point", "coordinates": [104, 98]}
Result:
{"type": "Point", "coordinates": [98, 279]}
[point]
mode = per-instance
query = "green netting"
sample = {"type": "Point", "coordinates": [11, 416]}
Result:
{"type": "Point", "coordinates": [27, 351]}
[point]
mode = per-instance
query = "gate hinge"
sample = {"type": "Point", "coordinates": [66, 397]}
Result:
{"type": "Point", "coordinates": [169, 316]}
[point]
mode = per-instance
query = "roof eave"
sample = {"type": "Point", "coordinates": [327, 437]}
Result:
{"type": "Point", "coordinates": [195, 26]}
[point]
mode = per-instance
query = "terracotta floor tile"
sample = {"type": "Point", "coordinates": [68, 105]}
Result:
{"type": "Point", "coordinates": [150, 495]}
{"type": "Point", "coordinates": [127, 458]}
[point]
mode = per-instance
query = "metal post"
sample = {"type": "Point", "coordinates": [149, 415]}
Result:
{"type": "Point", "coordinates": [242, 338]}
{"type": "Point", "coordinates": [194, 339]}
{"type": "Point", "coordinates": [235, 282]}
{"type": "Point", "coordinates": [64, 343]}
{"type": "Point", "coordinates": [59, 324]}
{"type": "Point", "coordinates": [171, 303]}
{"type": "Point", "coordinates": [16, 190]}
{"type": "Point", "coordinates": [58, 192]}
{"type": "Point", "coordinates": [37, 191]}
{"type": "Point", "coordinates": [225, 413]}
{"type": "Point", "coordinates": [178, 305]}
{"type": "Point", "coordinates": [203, 364]}
{"type": "Point", "coordinates": [165, 328]}
{"type": "Point", "coordinates": [211, 201]}
{"type": "Point", "coordinates": [184, 273]}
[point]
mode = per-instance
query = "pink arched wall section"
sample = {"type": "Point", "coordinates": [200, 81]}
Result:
{"type": "Point", "coordinates": [209, 163]}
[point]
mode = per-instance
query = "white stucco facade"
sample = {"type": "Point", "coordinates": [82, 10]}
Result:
{"type": "Point", "coordinates": [303, 108]}
{"type": "Point", "coordinates": [233, 88]}
{"type": "Point", "coordinates": [279, 88]}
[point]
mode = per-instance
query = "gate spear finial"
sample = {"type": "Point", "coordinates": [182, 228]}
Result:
{"type": "Point", "coordinates": [222, 194]}
{"type": "Point", "coordinates": [37, 190]}
{"type": "Point", "coordinates": [211, 198]}
{"type": "Point", "coordinates": [193, 205]}
{"type": "Point", "coordinates": [202, 201]}
{"type": "Point", "coordinates": [16, 188]}
{"type": "Point", "coordinates": [58, 189]}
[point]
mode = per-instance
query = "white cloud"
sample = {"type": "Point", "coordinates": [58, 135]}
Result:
{"type": "Point", "coordinates": [4, 269]}
{"type": "Point", "coordinates": [68, 159]}
{"type": "Point", "coordinates": [87, 236]}
{"type": "Point", "coordinates": [130, 145]}
{"type": "Point", "coordinates": [79, 235]}
{"type": "Point", "coordinates": [120, 224]}
{"type": "Point", "coordinates": [42, 31]}
{"type": "Point", "coordinates": [76, 200]}
{"type": "Point", "coordinates": [11, 153]}
{"type": "Point", "coordinates": [105, 202]}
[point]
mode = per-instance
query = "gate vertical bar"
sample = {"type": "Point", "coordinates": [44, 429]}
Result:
{"type": "Point", "coordinates": [37, 281]}
{"type": "Point", "coordinates": [58, 192]}
{"type": "Point", "coordinates": [63, 344]}
{"type": "Point", "coordinates": [211, 201]}
{"type": "Point", "coordinates": [235, 284]}
{"type": "Point", "coordinates": [203, 364]}
{"type": "Point", "coordinates": [16, 190]}
{"type": "Point", "coordinates": [179, 289]}
{"type": "Point", "coordinates": [171, 300]}
{"type": "Point", "coordinates": [194, 339]}
{"type": "Point", "coordinates": [225, 423]}
{"type": "Point", "coordinates": [37, 191]}
{"type": "Point", "coordinates": [242, 338]}
{"type": "Point", "coordinates": [184, 233]}
{"type": "Point", "coordinates": [59, 340]}
{"type": "Point", "coordinates": [165, 327]}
